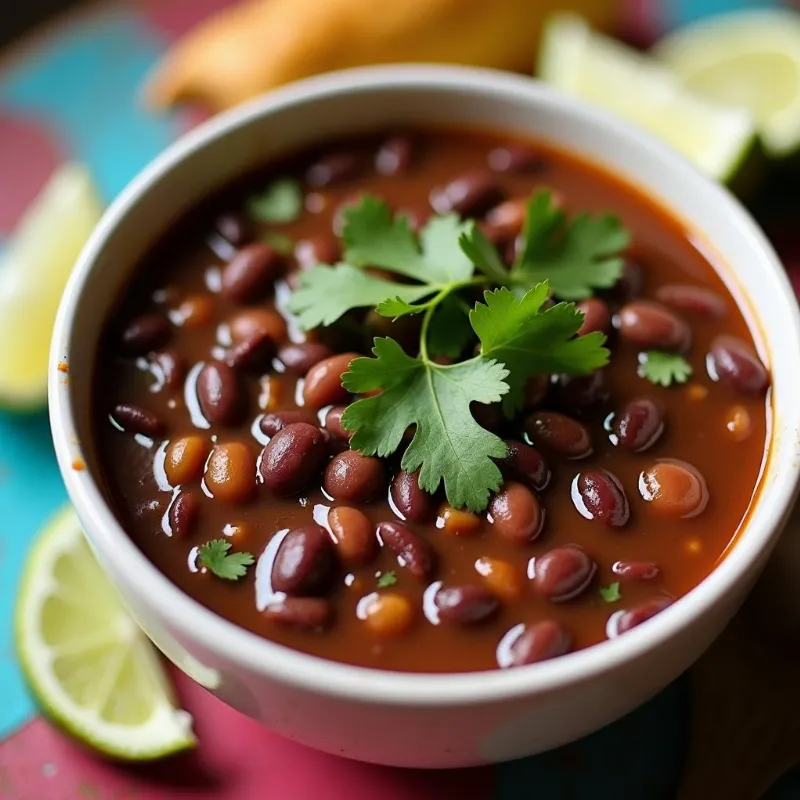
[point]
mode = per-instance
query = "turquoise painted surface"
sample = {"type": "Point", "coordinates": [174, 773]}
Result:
{"type": "Point", "coordinates": [677, 12]}
{"type": "Point", "coordinates": [84, 86]}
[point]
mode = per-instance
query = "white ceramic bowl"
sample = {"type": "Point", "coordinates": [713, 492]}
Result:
{"type": "Point", "coordinates": [396, 718]}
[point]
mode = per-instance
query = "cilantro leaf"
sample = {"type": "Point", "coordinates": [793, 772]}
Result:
{"type": "Point", "coordinates": [450, 332]}
{"type": "Point", "coordinates": [281, 201]}
{"type": "Point", "coordinates": [279, 242]}
{"type": "Point", "coordinates": [214, 556]}
{"type": "Point", "coordinates": [611, 593]}
{"type": "Point", "coordinates": [575, 258]}
{"type": "Point", "coordinates": [483, 255]}
{"type": "Point", "coordinates": [326, 293]}
{"type": "Point", "coordinates": [448, 444]}
{"type": "Point", "coordinates": [387, 579]}
{"type": "Point", "coordinates": [373, 237]}
{"type": "Point", "coordinates": [663, 369]}
{"type": "Point", "coordinates": [530, 341]}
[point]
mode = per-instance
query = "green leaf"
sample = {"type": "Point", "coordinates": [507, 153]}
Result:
{"type": "Point", "coordinates": [664, 369]}
{"type": "Point", "coordinates": [575, 258]}
{"type": "Point", "coordinates": [281, 201]}
{"type": "Point", "coordinates": [611, 593]}
{"type": "Point", "coordinates": [395, 307]}
{"type": "Point", "coordinates": [373, 238]}
{"type": "Point", "coordinates": [444, 260]}
{"type": "Point", "coordinates": [448, 444]}
{"type": "Point", "coordinates": [326, 293]}
{"type": "Point", "coordinates": [387, 579]}
{"type": "Point", "coordinates": [214, 556]}
{"type": "Point", "coordinates": [279, 242]}
{"type": "Point", "coordinates": [483, 255]}
{"type": "Point", "coordinates": [530, 341]}
{"type": "Point", "coordinates": [450, 332]}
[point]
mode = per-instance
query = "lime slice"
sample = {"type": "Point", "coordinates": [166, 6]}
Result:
{"type": "Point", "coordinates": [33, 273]}
{"type": "Point", "coordinates": [602, 71]}
{"type": "Point", "coordinates": [750, 59]}
{"type": "Point", "coordinates": [88, 664]}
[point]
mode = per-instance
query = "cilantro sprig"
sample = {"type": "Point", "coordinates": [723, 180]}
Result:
{"type": "Point", "coordinates": [611, 593]}
{"type": "Point", "coordinates": [664, 369]}
{"type": "Point", "coordinates": [214, 556]}
{"type": "Point", "coordinates": [281, 201]}
{"type": "Point", "coordinates": [516, 331]}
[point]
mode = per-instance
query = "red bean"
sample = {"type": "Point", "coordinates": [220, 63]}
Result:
{"type": "Point", "coordinates": [304, 613]}
{"type": "Point", "coordinates": [622, 621]}
{"type": "Point", "coordinates": [597, 494]}
{"type": "Point", "coordinates": [220, 395]}
{"type": "Point", "coordinates": [254, 353]}
{"type": "Point", "coordinates": [639, 425]}
{"type": "Point", "coordinates": [332, 169]}
{"type": "Point", "coordinates": [394, 156]}
{"type": "Point", "coordinates": [524, 464]}
{"type": "Point", "coordinates": [516, 514]}
{"type": "Point", "coordinates": [471, 195]}
{"type": "Point", "coordinates": [488, 415]}
{"type": "Point", "coordinates": [580, 392]}
{"type": "Point", "coordinates": [563, 573]}
{"type": "Point", "coordinates": [276, 421]}
{"type": "Point", "coordinates": [171, 368]}
{"type": "Point", "coordinates": [138, 420]}
{"type": "Point", "coordinates": [305, 562]}
{"type": "Point", "coordinates": [183, 514]}
{"type": "Point", "coordinates": [636, 570]}
{"type": "Point", "coordinates": [353, 534]}
{"type": "Point", "coordinates": [323, 386]}
{"type": "Point", "coordinates": [505, 221]}
{"type": "Point", "coordinates": [536, 390]}
{"type": "Point", "coordinates": [292, 458]}
{"type": "Point", "coordinates": [413, 552]}
{"type": "Point", "coordinates": [596, 316]}
{"type": "Point", "coordinates": [531, 644]}
{"type": "Point", "coordinates": [412, 503]}
{"type": "Point", "coordinates": [559, 434]}
{"type": "Point", "coordinates": [145, 333]}
{"type": "Point", "coordinates": [333, 424]}
{"type": "Point", "coordinates": [465, 605]}
{"type": "Point", "coordinates": [518, 159]}
{"type": "Point", "coordinates": [299, 358]}
{"type": "Point", "coordinates": [696, 299]}
{"type": "Point", "coordinates": [650, 325]}
{"type": "Point", "coordinates": [234, 227]}
{"type": "Point", "coordinates": [733, 362]}
{"type": "Point", "coordinates": [321, 249]}
{"type": "Point", "coordinates": [354, 478]}
{"type": "Point", "coordinates": [249, 275]}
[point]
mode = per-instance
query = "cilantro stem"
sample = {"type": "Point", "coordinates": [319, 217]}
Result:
{"type": "Point", "coordinates": [431, 305]}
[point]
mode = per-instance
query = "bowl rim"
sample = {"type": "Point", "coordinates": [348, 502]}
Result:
{"type": "Point", "coordinates": [217, 635]}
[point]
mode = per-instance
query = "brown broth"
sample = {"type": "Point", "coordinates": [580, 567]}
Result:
{"type": "Point", "coordinates": [686, 550]}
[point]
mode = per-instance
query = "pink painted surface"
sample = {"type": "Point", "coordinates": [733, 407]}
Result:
{"type": "Point", "coordinates": [237, 760]}
{"type": "Point", "coordinates": [28, 155]}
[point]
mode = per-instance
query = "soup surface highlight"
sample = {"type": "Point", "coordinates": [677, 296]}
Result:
{"type": "Point", "coordinates": [220, 437]}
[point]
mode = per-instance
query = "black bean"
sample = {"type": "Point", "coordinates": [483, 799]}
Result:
{"type": "Point", "coordinates": [220, 395]}
{"type": "Point", "coordinates": [145, 333]}
{"type": "Point", "coordinates": [305, 562]}
{"type": "Point", "coordinates": [138, 420]}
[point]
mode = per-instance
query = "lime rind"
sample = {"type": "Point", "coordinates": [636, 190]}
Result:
{"type": "Point", "coordinates": [148, 725]}
{"type": "Point", "coordinates": [606, 73]}
{"type": "Point", "coordinates": [749, 58]}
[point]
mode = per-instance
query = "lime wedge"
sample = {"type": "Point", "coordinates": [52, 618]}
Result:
{"type": "Point", "coordinates": [88, 664]}
{"type": "Point", "coordinates": [606, 73]}
{"type": "Point", "coordinates": [750, 59]}
{"type": "Point", "coordinates": [33, 273]}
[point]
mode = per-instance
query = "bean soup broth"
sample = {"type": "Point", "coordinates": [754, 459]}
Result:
{"type": "Point", "coordinates": [621, 495]}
